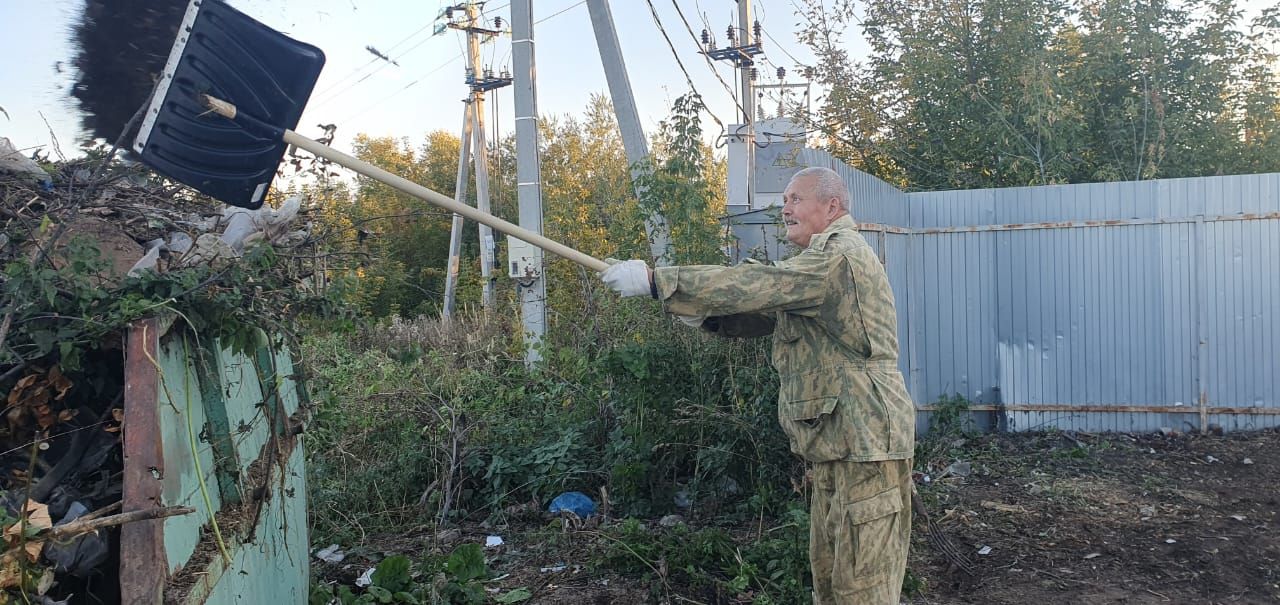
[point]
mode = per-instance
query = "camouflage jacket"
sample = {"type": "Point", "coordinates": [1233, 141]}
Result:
{"type": "Point", "coordinates": [835, 342]}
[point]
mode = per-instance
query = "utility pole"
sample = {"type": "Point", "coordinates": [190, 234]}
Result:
{"type": "Point", "coordinates": [455, 231]}
{"type": "Point", "coordinates": [747, 73]}
{"type": "Point", "coordinates": [481, 154]}
{"type": "Point", "coordinates": [744, 45]}
{"type": "Point", "coordinates": [527, 264]}
{"type": "Point", "coordinates": [624, 108]}
{"type": "Point", "coordinates": [466, 17]}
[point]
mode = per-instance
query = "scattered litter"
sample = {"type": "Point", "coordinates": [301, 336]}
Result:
{"type": "Point", "coordinates": [728, 486]}
{"type": "Point", "coordinates": [985, 550]}
{"type": "Point", "coordinates": [1247, 461]}
{"type": "Point", "coordinates": [11, 160]}
{"type": "Point", "coordinates": [577, 503]}
{"type": "Point", "coordinates": [1170, 541]}
{"type": "Point", "coordinates": [492, 541]}
{"type": "Point", "coordinates": [1211, 459]}
{"type": "Point", "coordinates": [1238, 517]}
{"type": "Point", "coordinates": [1093, 555]}
{"type": "Point", "coordinates": [671, 521]}
{"type": "Point", "coordinates": [1004, 508]}
{"type": "Point", "coordinates": [366, 578]}
{"type": "Point", "coordinates": [331, 554]}
{"type": "Point", "coordinates": [554, 568]}
{"type": "Point", "coordinates": [958, 469]}
{"type": "Point", "coordinates": [449, 536]}
{"type": "Point", "coordinates": [1147, 511]}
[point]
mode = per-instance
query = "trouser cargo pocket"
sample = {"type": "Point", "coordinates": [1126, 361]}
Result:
{"type": "Point", "coordinates": [867, 541]}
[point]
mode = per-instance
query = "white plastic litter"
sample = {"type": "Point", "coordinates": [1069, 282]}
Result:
{"type": "Point", "coordinates": [331, 554]}
{"type": "Point", "coordinates": [365, 578]}
{"type": "Point", "coordinates": [493, 541]}
{"type": "Point", "coordinates": [11, 160]}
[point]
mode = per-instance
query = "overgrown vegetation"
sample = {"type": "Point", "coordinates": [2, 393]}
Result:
{"type": "Point", "coordinates": [69, 240]}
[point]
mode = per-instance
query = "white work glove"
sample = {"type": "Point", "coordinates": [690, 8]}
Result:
{"type": "Point", "coordinates": [627, 278]}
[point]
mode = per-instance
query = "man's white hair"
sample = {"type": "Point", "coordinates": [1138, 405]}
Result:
{"type": "Point", "coordinates": [827, 184]}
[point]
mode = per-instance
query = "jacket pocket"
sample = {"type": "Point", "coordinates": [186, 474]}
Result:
{"type": "Point", "coordinates": [815, 428]}
{"type": "Point", "coordinates": [809, 412]}
{"type": "Point", "coordinates": [898, 411]}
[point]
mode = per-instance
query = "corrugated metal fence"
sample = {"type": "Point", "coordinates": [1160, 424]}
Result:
{"type": "Point", "coordinates": [1101, 307]}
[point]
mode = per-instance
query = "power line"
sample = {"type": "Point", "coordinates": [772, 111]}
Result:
{"type": "Point", "coordinates": [732, 94]}
{"type": "Point", "coordinates": [351, 86]}
{"type": "Point", "coordinates": [372, 61]}
{"type": "Point", "coordinates": [657, 21]}
{"type": "Point", "coordinates": [561, 12]}
{"type": "Point", "coordinates": [781, 47]}
{"type": "Point", "coordinates": [406, 87]}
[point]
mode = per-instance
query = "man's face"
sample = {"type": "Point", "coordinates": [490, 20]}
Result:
{"type": "Point", "coordinates": [804, 213]}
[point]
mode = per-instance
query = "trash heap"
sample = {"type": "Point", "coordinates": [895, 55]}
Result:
{"type": "Point", "coordinates": [88, 246]}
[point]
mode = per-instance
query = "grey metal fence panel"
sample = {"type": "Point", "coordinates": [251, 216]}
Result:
{"type": "Point", "coordinates": [1104, 314]}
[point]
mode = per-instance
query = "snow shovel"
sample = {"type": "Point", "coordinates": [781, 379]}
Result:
{"type": "Point", "coordinates": [223, 113]}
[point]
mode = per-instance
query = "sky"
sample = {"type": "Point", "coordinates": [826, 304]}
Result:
{"type": "Point", "coordinates": [362, 94]}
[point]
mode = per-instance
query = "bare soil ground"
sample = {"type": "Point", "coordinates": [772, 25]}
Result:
{"type": "Point", "coordinates": [1111, 519]}
{"type": "Point", "coordinates": [1067, 518]}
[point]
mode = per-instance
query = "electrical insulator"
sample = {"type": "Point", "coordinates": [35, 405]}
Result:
{"type": "Point", "coordinates": [733, 37]}
{"type": "Point", "coordinates": [448, 13]}
{"type": "Point", "coordinates": [497, 23]}
{"type": "Point", "coordinates": [756, 30]}
{"type": "Point", "coordinates": [782, 72]}
{"type": "Point", "coordinates": [506, 74]}
{"type": "Point", "coordinates": [470, 75]}
{"type": "Point", "coordinates": [754, 73]}
{"type": "Point", "coordinates": [706, 37]}
{"type": "Point", "coordinates": [488, 74]}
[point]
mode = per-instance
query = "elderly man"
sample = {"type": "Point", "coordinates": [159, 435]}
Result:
{"type": "Point", "coordinates": [842, 401]}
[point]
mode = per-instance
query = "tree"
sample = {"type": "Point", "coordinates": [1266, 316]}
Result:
{"type": "Point", "coordinates": [406, 239]}
{"type": "Point", "coordinates": [989, 93]}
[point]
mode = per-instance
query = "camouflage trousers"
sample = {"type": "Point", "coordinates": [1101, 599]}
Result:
{"type": "Point", "coordinates": [859, 531]}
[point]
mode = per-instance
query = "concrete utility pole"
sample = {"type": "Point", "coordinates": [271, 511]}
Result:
{"type": "Point", "coordinates": [455, 232]}
{"type": "Point", "coordinates": [527, 264]}
{"type": "Point", "coordinates": [746, 73]}
{"type": "Point", "coordinates": [481, 158]}
{"type": "Point", "coordinates": [624, 108]}
{"type": "Point", "coordinates": [478, 80]}
{"type": "Point", "coordinates": [743, 46]}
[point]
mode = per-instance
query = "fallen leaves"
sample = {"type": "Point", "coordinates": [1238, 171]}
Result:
{"type": "Point", "coordinates": [18, 540]}
{"type": "Point", "coordinates": [36, 395]}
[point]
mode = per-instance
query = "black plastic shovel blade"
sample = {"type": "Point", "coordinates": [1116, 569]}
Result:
{"type": "Point", "coordinates": [226, 54]}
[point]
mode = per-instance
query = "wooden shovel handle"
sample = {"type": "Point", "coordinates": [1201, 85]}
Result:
{"type": "Point", "coordinates": [443, 201]}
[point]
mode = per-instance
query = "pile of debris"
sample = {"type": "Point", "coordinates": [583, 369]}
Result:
{"type": "Point", "coordinates": [88, 246]}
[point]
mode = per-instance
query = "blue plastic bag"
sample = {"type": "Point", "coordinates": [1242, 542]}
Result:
{"type": "Point", "coordinates": [575, 502]}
